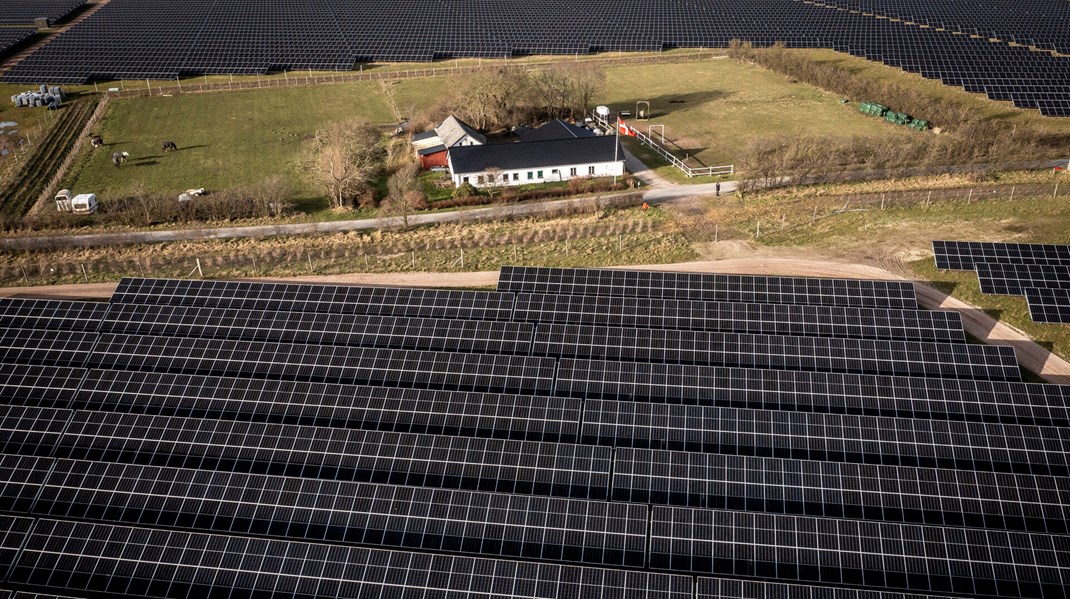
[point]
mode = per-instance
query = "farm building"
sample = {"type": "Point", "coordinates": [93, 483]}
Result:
{"type": "Point", "coordinates": [432, 146]}
{"type": "Point", "coordinates": [536, 161]}
{"type": "Point", "coordinates": [555, 129]}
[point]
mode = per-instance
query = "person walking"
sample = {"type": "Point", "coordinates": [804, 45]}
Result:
{"type": "Point", "coordinates": [718, 188]}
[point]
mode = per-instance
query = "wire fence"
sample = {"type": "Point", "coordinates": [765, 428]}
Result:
{"type": "Point", "coordinates": [148, 87]}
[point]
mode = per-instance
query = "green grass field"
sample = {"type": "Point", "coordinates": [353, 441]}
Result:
{"type": "Point", "coordinates": [711, 109]}
{"type": "Point", "coordinates": [224, 139]}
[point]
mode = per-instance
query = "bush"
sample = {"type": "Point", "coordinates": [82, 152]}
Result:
{"type": "Point", "coordinates": [465, 190]}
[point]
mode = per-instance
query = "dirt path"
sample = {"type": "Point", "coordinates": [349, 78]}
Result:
{"type": "Point", "coordinates": [976, 322]}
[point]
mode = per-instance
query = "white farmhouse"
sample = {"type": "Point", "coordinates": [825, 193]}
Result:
{"type": "Point", "coordinates": [536, 161]}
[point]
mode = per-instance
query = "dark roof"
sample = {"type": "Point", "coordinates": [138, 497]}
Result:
{"type": "Point", "coordinates": [431, 150]}
{"type": "Point", "coordinates": [535, 154]}
{"type": "Point", "coordinates": [555, 129]}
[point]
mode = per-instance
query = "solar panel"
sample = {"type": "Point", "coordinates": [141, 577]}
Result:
{"type": "Point", "coordinates": [772, 319]}
{"type": "Point", "coordinates": [31, 431]}
{"type": "Point", "coordinates": [13, 532]}
{"type": "Point", "coordinates": [25, 12]}
{"type": "Point", "coordinates": [965, 255]}
{"type": "Point", "coordinates": [730, 588]}
{"type": "Point", "coordinates": [844, 490]}
{"type": "Point", "coordinates": [43, 386]}
{"type": "Point", "coordinates": [978, 563]}
{"type": "Point", "coordinates": [707, 287]}
{"type": "Point", "coordinates": [111, 559]}
{"type": "Point", "coordinates": [871, 395]}
{"type": "Point", "coordinates": [521, 417]}
{"type": "Point", "coordinates": [290, 297]}
{"type": "Point", "coordinates": [320, 328]}
{"type": "Point", "coordinates": [465, 463]}
{"type": "Point", "coordinates": [59, 315]}
{"type": "Point", "coordinates": [323, 363]}
{"type": "Point", "coordinates": [782, 352]}
{"type": "Point", "coordinates": [830, 437]}
{"type": "Point", "coordinates": [1014, 279]}
{"type": "Point", "coordinates": [1048, 305]}
{"type": "Point", "coordinates": [490, 524]}
{"type": "Point", "coordinates": [45, 348]}
{"type": "Point", "coordinates": [20, 481]}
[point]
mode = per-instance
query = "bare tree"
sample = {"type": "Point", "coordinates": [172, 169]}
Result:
{"type": "Point", "coordinates": [490, 99]}
{"type": "Point", "coordinates": [588, 82]}
{"type": "Point", "coordinates": [344, 157]}
{"type": "Point", "coordinates": [494, 180]}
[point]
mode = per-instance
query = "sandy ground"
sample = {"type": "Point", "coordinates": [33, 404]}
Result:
{"type": "Point", "coordinates": [976, 322]}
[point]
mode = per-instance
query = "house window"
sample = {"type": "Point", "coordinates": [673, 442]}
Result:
{"type": "Point", "coordinates": [540, 174]}
{"type": "Point", "coordinates": [590, 170]}
{"type": "Point", "coordinates": [572, 172]}
{"type": "Point", "coordinates": [530, 176]}
{"type": "Point", "coordinates": [480, 179]}
{"type": "Point", "coordinates": [464, 179]}
{"type": "Point", "coordinates": [516, 176]}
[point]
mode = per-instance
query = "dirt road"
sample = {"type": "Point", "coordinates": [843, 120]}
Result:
{"type": "Point", "coordinates": [975, 321]}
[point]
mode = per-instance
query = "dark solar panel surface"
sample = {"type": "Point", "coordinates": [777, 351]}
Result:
{"type": "Point", "coordinates": [965, 255]}
{"type": "Point", "coordinates": [24, 12]}
{"type": "Point", "coordinates": [1014, 279]}
{"type": "Point", "coordinates": [1049, 305]}
{"type": "Point", "coordinates": [11, 37]}
{"type": "Point", "coordinates": [707, 287]}
{"type": "Point", "coordinates": [911, 397]}
{"type": "Point", "coordinates": [982, 51]}
{"type": "Point", "coordinates": [782, 352]}
{"type": "Point", "coordinates": [209, 438]}
{"type": "Point", "coordinates": [771, 319]}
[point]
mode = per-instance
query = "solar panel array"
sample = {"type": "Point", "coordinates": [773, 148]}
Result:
{"type": "Point", "coordinates": [201, 438]}
{"type": "Point", "coordinates": [25, 12]}
{"type": "Point", "coordinates": [1040, 272]}
{"type": "Point", "coordinates": [139, 39]}
{"type": "Point", "coordinates": [12, 37]}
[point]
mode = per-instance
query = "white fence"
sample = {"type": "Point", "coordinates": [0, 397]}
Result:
{"type": "Point", "coordinates": [648, 141]}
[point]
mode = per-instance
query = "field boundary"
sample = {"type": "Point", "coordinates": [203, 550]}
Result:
{"type": "Point", "coordinates": [296, 78]}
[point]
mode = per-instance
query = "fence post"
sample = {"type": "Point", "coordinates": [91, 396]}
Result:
{"type": "Point", "coordinates": [1012, 192]}
{"type": "Point", "coordinates": [882, 202]}
{"type": "Point", "coordinates": [969, 197]}
{"type": "Point", "coordinates": [1056, 192]}
{"type": "Point", "coordinates": [85, 275]}
{"type": "Point", "coordinates": [758, 230]}
{"type": "Point", "coordinates": [929, 198]}
{"type": "Point", "coordinates": [716, 232]}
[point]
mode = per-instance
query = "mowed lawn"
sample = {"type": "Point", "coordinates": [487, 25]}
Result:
{"type": "Point", "coordinates": [712, 109]}
{"type": "Point", "coordinates": [224, 139]}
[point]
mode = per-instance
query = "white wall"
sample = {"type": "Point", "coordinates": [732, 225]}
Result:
{"type": "Point", "coordinates": [550, 174]}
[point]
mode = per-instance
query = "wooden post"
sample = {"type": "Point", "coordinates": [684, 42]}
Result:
{"type": "Point", "coordinates": [882, 201]}
{"type": "Point", "coordinates": [462, 258]}
{"type": "Point", "coordinates": [199, 271]}
{"type": "Point", "coordinates": [716, 232]}
{"type": "Point", "coordinates": [514, 254]}
{"type": "Point", "coordinates": [309, 256]}
{"type": "Point", "coordinates": [1056, 192]}
{"type": "Point", "coordinates": [85, 275]}
{"type": "Point", "coordinates": [414, 259]}
{"type": "Point", "coordinates": [969, 197]}
{"type": "Point", "coordinates": [929, 198]}
{"type": "Point", "coordinates": [758, 230]}
{"type": "Point", "coordinates": [620, 243]}
{"type": "Point", "coordinates": [1012, 192]}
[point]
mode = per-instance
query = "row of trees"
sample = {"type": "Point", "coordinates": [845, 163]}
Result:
{"type": "Point", "coordinates": [513, 95]}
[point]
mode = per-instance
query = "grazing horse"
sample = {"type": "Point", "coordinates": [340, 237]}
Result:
{"type": "Point", "coordinates": [169, 145]}
{"type": "Point", "coordinates": [118, 158]}
{"type": "Point", "coordinates": [96, 140]}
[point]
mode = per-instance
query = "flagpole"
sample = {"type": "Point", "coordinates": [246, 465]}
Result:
{"type": "Point", "coordinates": [616, 140]}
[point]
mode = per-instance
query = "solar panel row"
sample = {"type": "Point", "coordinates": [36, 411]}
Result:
{"type": "Point", "coordinates": [148, 470]}
{"type": "Point", "coordinates": [1040, 272]}
{"type": "Point", "coordinates": [138, 39]}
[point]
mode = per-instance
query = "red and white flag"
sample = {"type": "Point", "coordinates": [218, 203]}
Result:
{"type": "Point", "coordinates": [623, 128]}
